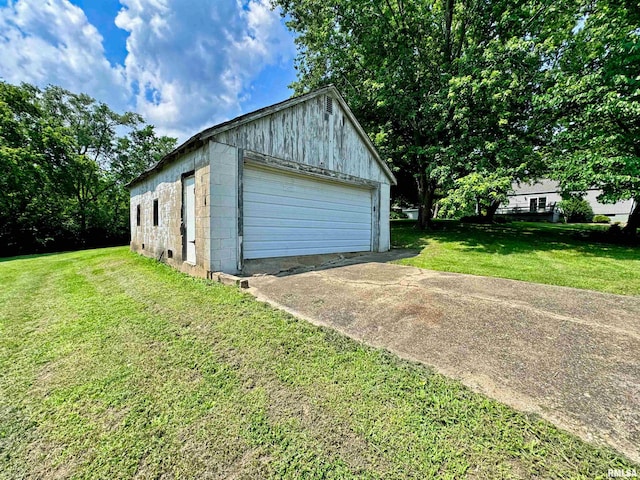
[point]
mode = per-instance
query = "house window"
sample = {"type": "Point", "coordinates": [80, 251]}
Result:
{"type": "Point", "coordinates": [542, 203]}
{"type": "Point", "coordinates": [138, 215]}
{"type": "Point", "coordinates": [155, 212]}
{"type": "Point", "coordinates": [533, 205]}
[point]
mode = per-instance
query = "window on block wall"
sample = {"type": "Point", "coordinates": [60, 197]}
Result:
{"type": "Point", "coordinates": [138, 216]}
{"type": "Point", "coordinates": [155, 212]}
{"type": "Point", "coordinates": [533, 205]}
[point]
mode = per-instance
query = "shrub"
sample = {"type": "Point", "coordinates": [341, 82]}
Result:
{"type": "Point", "coordinates": [576, 210]}
{"type": "Point", "coordinates": [395, 215]}
{"type": "Point", "coordinates": [601, 219]}
{"type": "Point", "coordinates": [615, 229]}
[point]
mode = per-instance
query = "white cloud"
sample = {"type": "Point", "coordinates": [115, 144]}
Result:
{"type": "Point", "coordinates": [188, 63]}
{"type": "Point", "coordinates": [52, 42]}
{"type": "Point", "coordinates": [191, 61]}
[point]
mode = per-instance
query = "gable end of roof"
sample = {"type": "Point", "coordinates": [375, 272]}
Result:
{"type": "Point", "coordinates": [200, 138]}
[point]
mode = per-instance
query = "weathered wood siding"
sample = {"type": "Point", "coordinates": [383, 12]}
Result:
{"type": "Point", "coordinates": [306, 133]}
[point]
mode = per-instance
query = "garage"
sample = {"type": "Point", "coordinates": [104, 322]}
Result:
{"type": "Point", "coordinates": [297, 178]}
{"type": "Point", "coordinates": [289, 215]}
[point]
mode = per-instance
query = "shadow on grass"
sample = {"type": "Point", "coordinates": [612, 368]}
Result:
{"type": "Point", "coordinates": [511, 238]}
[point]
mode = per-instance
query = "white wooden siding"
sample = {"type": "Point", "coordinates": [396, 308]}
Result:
{"type": "Point", "coordinates": [286, 215]}
{"type": "Point", "coordinates": [305, 133]}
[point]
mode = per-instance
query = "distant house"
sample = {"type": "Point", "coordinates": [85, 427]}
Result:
{"type": "Point", "coordinates": [297, 178]}
{"type": "Point", "coordinates": [542, 197]}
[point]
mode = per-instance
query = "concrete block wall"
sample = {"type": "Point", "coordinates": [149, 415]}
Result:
{"type": "Point", "coordinates": [166, 238]}
{"type": "Point", "coordinates": [203, 210]}
{"type": "Point", "coordinates": [224, 207]}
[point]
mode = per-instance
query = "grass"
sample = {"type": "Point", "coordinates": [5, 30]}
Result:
{"type": "Point", "coordinates": [554, 254]}
{"type": "Point", "coordinates": [114, 366]}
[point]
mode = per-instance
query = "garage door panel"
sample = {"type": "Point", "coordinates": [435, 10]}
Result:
{"type": "Point", "coordinates": [286, 215]}
{"type": "Point", "coordinates": [276, 249]}
{"type": "Point", "coordinates": [310, 243]}
{"type": "Point", "coordinates": [263, 210]}
{"type": "Point", "coordinates": [329, 223]}
{"type": "Point", "coordinates": [286, 187]}
{"type": "Point", "coordinates": [331, 202]}
{"type": "Point", "coordinates": [302, 234]}
{"type": "Point", "coordinates": [331, 197]}
{"type": "Point", "coordinates": [292, 252]}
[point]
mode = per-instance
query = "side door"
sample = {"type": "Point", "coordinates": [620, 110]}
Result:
{"type": "Point", "coordinates": [189, 218]}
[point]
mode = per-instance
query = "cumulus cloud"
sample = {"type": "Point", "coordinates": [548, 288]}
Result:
{"type": "Point", "coordinates": [52, 42]}
{"type": "Point", "coordinates": [188, 63]}
{"type": "Point", "coordinates": [191, 61]}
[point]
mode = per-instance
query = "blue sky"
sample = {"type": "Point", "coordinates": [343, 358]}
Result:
{"type": "Point", "coordinates": [183, 64]}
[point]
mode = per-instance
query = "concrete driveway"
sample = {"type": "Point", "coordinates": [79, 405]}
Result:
{"type": "Point", "coordinates": [572, 356]}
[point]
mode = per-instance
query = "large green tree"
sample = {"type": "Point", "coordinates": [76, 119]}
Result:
{"type": "Point", "coordinates": [30, 212]}
{"type": "Point", "coordinates": [597, 102]}
{"type": "Point", "coordinates": [85, 168]}
{"type": "Point", "coordinates": [476, 194]}
{"type": "Point", "coordinates": [444, 87]}
{"type": "Point", "coordinates": [67, 159]}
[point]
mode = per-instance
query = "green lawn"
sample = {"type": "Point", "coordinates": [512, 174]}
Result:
{"type": "Point", "coordinates": [535, 252]}
{"type": "Point", "coordinates": [113, 366]}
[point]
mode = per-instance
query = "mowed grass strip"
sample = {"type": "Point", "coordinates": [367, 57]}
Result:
{"type": "Point", "coordinates": [554, 254]}
{"type": "Point", "coordinates": [115, 366]}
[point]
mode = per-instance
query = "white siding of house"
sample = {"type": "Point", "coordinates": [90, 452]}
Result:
{"type": "Point", "coordinates": [550, 190]}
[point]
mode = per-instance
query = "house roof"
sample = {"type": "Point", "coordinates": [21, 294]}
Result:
{"type": "Point", "coordinates": [543, 185]}
{"type": "Point", "coordinates": [200, 138]}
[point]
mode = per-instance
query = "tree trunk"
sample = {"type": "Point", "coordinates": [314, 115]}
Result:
{"type": "Point", "coordinates": [436, 208]}
{"type": "Point", "coordinates": [426, 193]}
{"type": "Point", "coordinates": [83, 225]}
{"type": "Point", "coordinates": [491, 211]}
{"type": "Point", "coordinates": [634, 219]}
{"type": "Point", "coordinates": [449, 6]}
{"type": "Point", "coordinates": [82, 217]}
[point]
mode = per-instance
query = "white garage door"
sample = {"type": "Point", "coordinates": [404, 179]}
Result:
{"type": "Point", "coordinates": [287, 215]}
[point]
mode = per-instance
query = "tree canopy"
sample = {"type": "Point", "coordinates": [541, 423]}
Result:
{"type": "Point", "coordinates": [67, 159]}
{"type": "Point", "coordinates": [470, 95]}
{"type": "Point", "coordinates": [596, 97]}
{"type": "Point", "coordinates": [445, 87]}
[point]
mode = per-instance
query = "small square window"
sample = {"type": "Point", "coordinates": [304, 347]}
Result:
{"type": "Point", "coordinates": [155, 212]}
{"type": "Point", "coordinates": [542, 203]}
{"type": "Point", "coordinates": [138, 215]}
